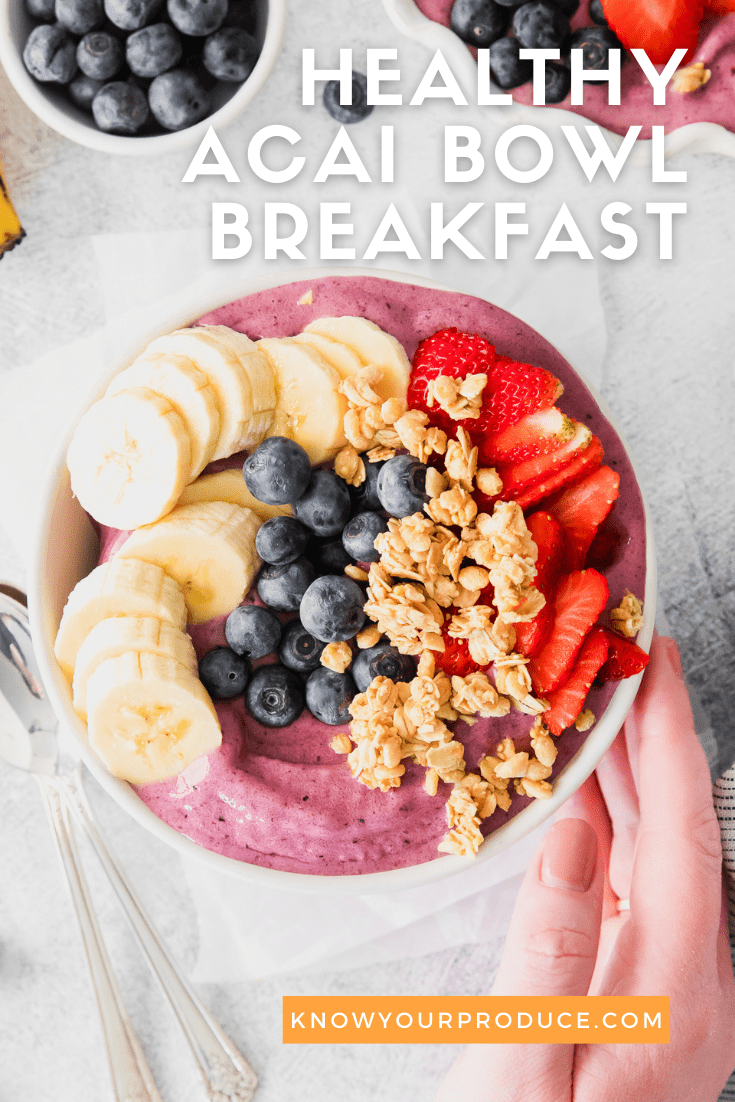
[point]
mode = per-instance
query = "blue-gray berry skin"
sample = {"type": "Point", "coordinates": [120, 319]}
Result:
{"type": "Point", "coordinates": [230, 54]}
{"type": "Point", "coordinates": [506, 67]}
{"type": "Point", "coordinates": [223, 673]}
{"type": "Point", "coordinates": [325, 505]}
{"type": "Point", "coordinates": [558, 82]}
{"type": "Point", "coordinates": [597, 13]}
{"type": "Point", "coordinates": [120, 108]}
{"type": "Point", "coordinates": [382, 660]}
{"type": "Point", "coordinates": [479, 22]}
{"type": "Point", "coordinates": [595, 44]}
{"type": "Point", "coordinates": [358, 110]}
{"type": "Point", "coordinates": [281, 540]}
{"type": "Point", "coordinates": [80, 16]}
{"type": "Point", "coordinates": [197, 17]}
{"type": "Point", "coordinates": [568, 7]}
{"type": "Point", "coordinates": [359, 534]}
{"type": "Point", "coordinates": [299, 649]}
{"type": "Point", "coordinates": [328, 557]}
{"type": "Point", "coordinates": [365, 496]}
{"type": "Point", "coordinates": [253, 631]}
{"type": "Point", "coordinates": [50, 54]}
{"type": "Point", "coordinates": [282, 587]}
{"type": "Point", "coordinates": [153, 50]}
{"type": "Point", "coordinates": [402, 486]}
{"type": "Point", "coordinates": [131, 15]}
{"type": "Point", "coordinates": [99, 55]}
{"type": "Point", "coordinates": [328, 696]}
{"type": "Point", "coordinates": [540, 25]}
{"type": "Point", "coordinates": [83, 90]}
{"type": "Point", "coordinates": [332, 609]}
{"type": "Point", "coordinates": [275, 696]}
{"type": "Point", "coordinates": [278, 471]}
{"type": "Point", "coordinates": [178, 99]}
{"type": "Point", "coordinates": [42, 9]}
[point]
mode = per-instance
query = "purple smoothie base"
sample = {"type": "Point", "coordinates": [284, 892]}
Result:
{"type": "Point", "coordinates": [714, 102]}
{"type": "Point", "coordinates": [282, 798]}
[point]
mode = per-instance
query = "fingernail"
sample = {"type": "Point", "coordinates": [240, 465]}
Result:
{"type": "Point", "coordinates": [569, 856]}
{"type": "Point", "coordinates": [672, 651]}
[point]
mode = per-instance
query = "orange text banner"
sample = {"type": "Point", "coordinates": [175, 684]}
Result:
{"type": "Point", "coordinates": [488, 1019]}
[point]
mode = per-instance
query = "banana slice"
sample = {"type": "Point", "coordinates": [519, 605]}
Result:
{"type": "Point", "coordinates": [209, 548]}
{"type": "Point", "coordinates": [373, 347]}
{"type": "Point", "coordinates": [310, 409]}
{"type": "Point", "coordinates": [149, 717]}
{"type": "Point", "coordinates": [129, 458]}
{"type": "Point", "coordinates": [230, 486]}
{"type": "Point", "coordinates": [123, 634]}
{"type": "Point", "coordinates": [120, 587]}
{"type": "Point", "coordinates": [190, 393]}
{"type": "Point", "coordinates": [344, 361]}
{"type": "Point", "coordinates": [259, 372]}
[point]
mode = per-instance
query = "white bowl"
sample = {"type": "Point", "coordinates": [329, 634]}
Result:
{"type": "Point", "coordinates": [59, 562]}
{"type": "Point", "coordinates": [51, 104]}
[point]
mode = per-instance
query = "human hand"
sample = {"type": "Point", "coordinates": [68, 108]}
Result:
{"type": "Point", "coordinates": [643, 829]}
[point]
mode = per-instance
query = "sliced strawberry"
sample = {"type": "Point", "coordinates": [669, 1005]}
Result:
{"type": "Point", "coordinates": [589, 460]}
{"type": "Point", "coordinates": [456, 657]}
{"type": "Point", "coordinates": [580, 598]}
{"type": "Point", "coordinates": [568, 701]}
{"type": "Point", "coordinates": [549, 539]}
{"type": "Point", "coordinates": [513, 390]}
{"type": "Point", "coordinates": [625, 658]}
{"type": "Point", "coordinates": [720, 7]}
{"type": "Point", "coordinates": [657, 26]}
{"type": "Point", "coordinates": [518, 477]}
{"type": "Point", "coordinates": [536, 434]}
{"type": "Point", "coordinates": [581, 509]}
{"type": "Point", "coordinates": [448, 352]}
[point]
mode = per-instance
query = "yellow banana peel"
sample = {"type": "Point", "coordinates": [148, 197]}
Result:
{"type": "Point", "coordinates": [11, 231]}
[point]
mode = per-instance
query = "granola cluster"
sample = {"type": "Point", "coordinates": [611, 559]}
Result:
{"type": "Point", "coordinates": [627, 618]}
{"type": "Point", "coordinates": [690, 78]}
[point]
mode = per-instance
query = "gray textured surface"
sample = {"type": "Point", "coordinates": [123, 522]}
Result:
{"type": "Point", "coordinates": [669, 378]}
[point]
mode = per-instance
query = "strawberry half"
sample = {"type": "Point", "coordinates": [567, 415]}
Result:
{"type": "Point", "coordinates": [536, 434]}
{"type": "Point", "coordinates": [456, 657]}
{"type": "Point", "coordinates": [587, 461]}
{"type": "Point", "coordinates": [657, 26]}
{"type": "Point", "coordinates": [568, 701]}
{"type": "Point", "coordinates": [581, 509]}
{"type": "Point", "coordinates": [448, 352]}
{"type": "Point", "coordinates": [580, 598]}
{"type": "Point", "coordinates": [625, 658]}
{"type": "Point", "coordinates": [549, 538]}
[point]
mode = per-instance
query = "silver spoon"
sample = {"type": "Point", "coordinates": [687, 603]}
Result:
{"type": "Point", "coordinates": [28, 740]}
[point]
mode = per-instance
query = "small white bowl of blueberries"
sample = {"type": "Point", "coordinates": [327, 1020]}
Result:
{"type": "Point", "coordinates": [139, 76]}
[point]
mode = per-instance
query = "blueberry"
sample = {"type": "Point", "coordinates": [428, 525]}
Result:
{"type": "Point", "coordinates": [510, 3]}
{"type": "Point", "coordinates": [50, 54]}
{"type": "Point", "coordinates": [329, 557]}
{"type": "Point", "coordinates": [131, 15]}
{"type": "Point", "coordinates": [358, 536]}
{"type": "Point", "coordinates": [540, 26]}
{"type": "Point", "coordinates": [197, 17]}
{"type": "Point", "coordinates": [275, 696]}
{"type": "Point", "coordinates": [595, 44]}
{"type": "Point", "coordinates": [281, 540]}
{"type": "Point", "coordinates": [282, 587]}
{"type": "Point", "coordinates": [365, 496]}
{"type": "Point", "coordinates": [223, 673]}
{"type": "Point", "coordinates": [328, 696]}
{"type": "Point", "coordinates": [178, 99]}
{"type": "Point", "coordinates": [568, 7]}
{"type": "Point", "coordinates": [479, 22]}
{"type": "Point", "coordinates": [558, 81]}
{"type": "Point", "coordinates": [325, 505]}
{"type": "Point", "coordinates": [253, 631]}
{"type": "Point", "coordinates": [402, 486]}
{"type": "Point", "coordinates": [382, 660]}
{"type": "Point", "coordinates": [358, 110]}
{"type": "Point", "coordinates": [278, 471]}
{"type": "Point", "coordinates": [299, 650]}
{"type": "Point", "coordinates": [80, 16]}
{"type": "Point", "coordinates": [99, 55]}
{"type": "Point", "coordinates": [120, 108]}
{"type": "Point", "coordinates": [331, 608]}
{"type": "Point", "coordinates": [230, 54]}
{"type": "Point", "coordinates": [42, 9]}
{"type": "Point", "coordinates": [597, 13]}
{"type": "Point", "coordinates": [506, 67]}
{"type": "Point", "coordinates": [152, 50]}
{"type": "Point", "coordinates": [83, 90]}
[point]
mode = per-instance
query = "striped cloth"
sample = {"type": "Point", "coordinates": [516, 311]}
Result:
{"type": "Point", "coordinates": [724, 795]}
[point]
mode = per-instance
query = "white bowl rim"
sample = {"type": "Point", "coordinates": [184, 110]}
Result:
{"type": "Point", "coordinates": [694, 137]}
{"type": "Point", "coordinates": [580, 766]}
{"type": "Point", "coordinates": [88, 135]}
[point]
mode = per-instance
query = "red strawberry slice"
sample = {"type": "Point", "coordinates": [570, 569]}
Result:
{"type": "Point", "coordinates": [549, 538]}
{"type": "Point", "coordinates": [589, 460]}
{"type": "Point", "coordinates": [720, 7]}
{"type": "Point", "coordinates": [580, 598]}
{"type": "Point", "coordinates": [657, 26]}
{"type": "Point", "coordinates": [568, 701]}
{"type": "Point", "coordinates": [448, 352]}
{"type": "Point", "coordinates": [518, 477]}
{"type": "Point", "coordinates": [625, 658]}
{"type": "Point", "coordinates": [456, 657]}
{"type": "Point", "coordinates": [536, 434]}
{"type": "Point", "coordinates": [581, 509]}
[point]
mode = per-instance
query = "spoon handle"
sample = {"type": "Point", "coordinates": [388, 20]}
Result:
{"type": "Point", "coordinates": [131, 1077]}
{"type": "Point", "coordinates": [227, 1075]}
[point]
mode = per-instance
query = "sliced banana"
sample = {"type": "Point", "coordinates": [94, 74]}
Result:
{"type": "Point", "coordinates": [188, 390]}
{"type": "Point", "coordinates": [149, 717]}
{"type": "Point", "coordinates": [309, 409]}
{"type": "Point", "coordinates": [122, 634]}
{"type": "Point", "coordinates": [373, 347]}
{"type": "Point", "coordinates": [260, 374]}
{"type": "Point", "coordinates": [209, 548]}
{"type": "Point", "coordinates": [344, 361]}
{"type": "Point", "coordinates": [120, 587]}
{"type": "Point", "coordinates": [230, 486]}
{"type": "Point", "coordinates": [129, 458]}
